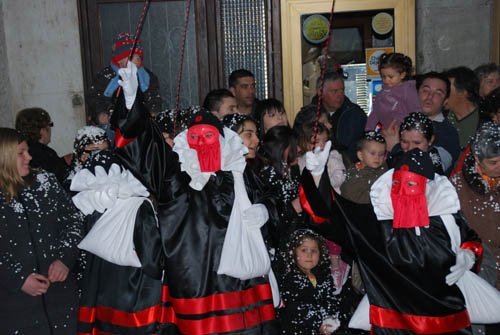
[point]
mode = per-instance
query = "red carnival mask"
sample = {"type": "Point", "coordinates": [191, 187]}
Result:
{"type": "Point", "coordinates": [204, 138]}
{"type": "Point", "coordinates": [408, 199]}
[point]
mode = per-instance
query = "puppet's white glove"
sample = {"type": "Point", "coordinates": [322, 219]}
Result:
{"type": "Point", "coordinates": [255, 216]}
{"type": "Point", "coordinates": [316, 161]}
{"type": "Point", "coordinates": [465, 261]}
{"type": "Point", "coordinates": [129, 83]}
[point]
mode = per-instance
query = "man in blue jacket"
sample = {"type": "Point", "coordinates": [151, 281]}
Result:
{"type": "Point", "coordinates": [347, 118]}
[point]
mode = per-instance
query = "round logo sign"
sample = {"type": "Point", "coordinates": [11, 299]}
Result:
{"type": "Point", "coordinates": [315, 29]}
{"type": "Point", "coordinates": [382, 23]}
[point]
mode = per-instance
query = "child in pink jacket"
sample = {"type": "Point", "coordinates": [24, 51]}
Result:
{"type": "Point", "coordinates": [398, 97]}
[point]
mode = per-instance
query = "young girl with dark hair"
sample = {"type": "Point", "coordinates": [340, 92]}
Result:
{"type": "Point", "coordinates": [307, 291]}
{"type": "Point", "coordinates": [335, 165]}
{"type": "Point", "coordinates": [398, 96]}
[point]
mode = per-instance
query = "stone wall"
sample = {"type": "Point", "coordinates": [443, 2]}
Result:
{"type": "Point", "coordinates": [451, 33]}
{"type": "Point", "coordinates": [6, 117]}
{"type": "Point", "coordinates": [42, 49]}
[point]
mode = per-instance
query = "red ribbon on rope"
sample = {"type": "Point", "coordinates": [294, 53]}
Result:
{"type": "Point", "coordinates": [179, 77]}
{"type": "Point", "coordinates": [136, 37]}
{"type": "Point", "coordinates": [323, 67]}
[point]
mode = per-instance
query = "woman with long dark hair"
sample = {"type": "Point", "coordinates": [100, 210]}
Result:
{"type": "Point", "coordinates": [281, 172]}
{"type": "Point", "coordinates": [270, 113]}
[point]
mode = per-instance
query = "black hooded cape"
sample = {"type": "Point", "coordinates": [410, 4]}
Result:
{"type": "Point", "coordinates": [193, 225]}
{"type": "Point", "coordinates": [404, 274]}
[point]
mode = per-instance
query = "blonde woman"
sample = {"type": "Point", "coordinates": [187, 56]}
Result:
{"type": "Point", "coordinates": [39, 231]}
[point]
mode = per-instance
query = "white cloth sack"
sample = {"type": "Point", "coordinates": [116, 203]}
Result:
{"type": "Point", "coordinates": [112, 236]}
{"type": "Point", "coordinates": [481, 299]}
{"type": "Point", "coordinates": [244, 254]}
{"type": "Point", "coordinates": [361, 317]}
{"type": "Point", "coordinates": [117, 194]}
{"type": "Point", "coordinates": [274, 288]}
{"type": "Point", "coordinates": [99, 191]}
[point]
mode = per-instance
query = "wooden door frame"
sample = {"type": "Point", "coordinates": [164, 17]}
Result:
{"type": "Point", "coordinates": [209, 43]}
{"type": "Point", "coordinates": [291, 10]}
{"type": "Point", "coordinates": [209, 55]}
{"type": "Point", "coordinates": [495, 44]}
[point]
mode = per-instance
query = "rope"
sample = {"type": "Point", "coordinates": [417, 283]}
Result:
{"type": "Point", "coordinates": [323, 67]}
{"type": "Point", "coordinates": [179, 77]}
{"type": "Point", "coordinates": [136, 37]}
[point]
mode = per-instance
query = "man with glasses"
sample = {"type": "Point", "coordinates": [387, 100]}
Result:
{"type": "Point", "coordinates": [433, 92]}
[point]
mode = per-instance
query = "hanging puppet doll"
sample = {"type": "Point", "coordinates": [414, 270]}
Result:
{"type": "Point", "coordinates": [210, 209]}
{"type": "Point", "coordinates": [101, 97]}
{"type": "Point", "coordinates": [414, 249]}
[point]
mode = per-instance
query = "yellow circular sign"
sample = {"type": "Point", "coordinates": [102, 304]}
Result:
{"type": "Point", "coordinates": [315, 29]}
{"type": "Point", "coordinates": [382, 23]}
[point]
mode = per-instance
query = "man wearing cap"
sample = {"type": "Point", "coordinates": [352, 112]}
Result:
{"type": "Point", "coordinates": [36, 125]}
{"type": "Point", "coordinates": [413, 246]}
{"type": "Point", "coordinates": [101, 96]}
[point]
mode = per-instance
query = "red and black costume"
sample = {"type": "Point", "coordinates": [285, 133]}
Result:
{"type": "Point", "coordinates": [117, 299]}
{"type": "Point", "coordinates": [193, 226]}
{"type": "Point", "coordinates": [403, 267]}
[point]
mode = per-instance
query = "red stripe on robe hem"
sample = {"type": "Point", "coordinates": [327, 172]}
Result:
{"type": "Point", "coordinates": [145, 317]}
{"type": "Point", "coordinates": [116, 317]}
{"type": "Point", "coordinates": [386, 318]}
{"type": "Point", "coordinates": [222, 301]}
{"type": "Point", "coordinates": [307, 207]}
{"type": "Point", "coordinates": [227, 323]}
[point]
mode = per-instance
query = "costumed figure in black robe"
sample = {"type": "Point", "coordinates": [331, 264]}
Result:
{"type": "Point", "coordinates": [121, 287]}
{"type": "Point", "coordinates": [407, 241]}
{"type": "Point", "coordinates": [217, 279]}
